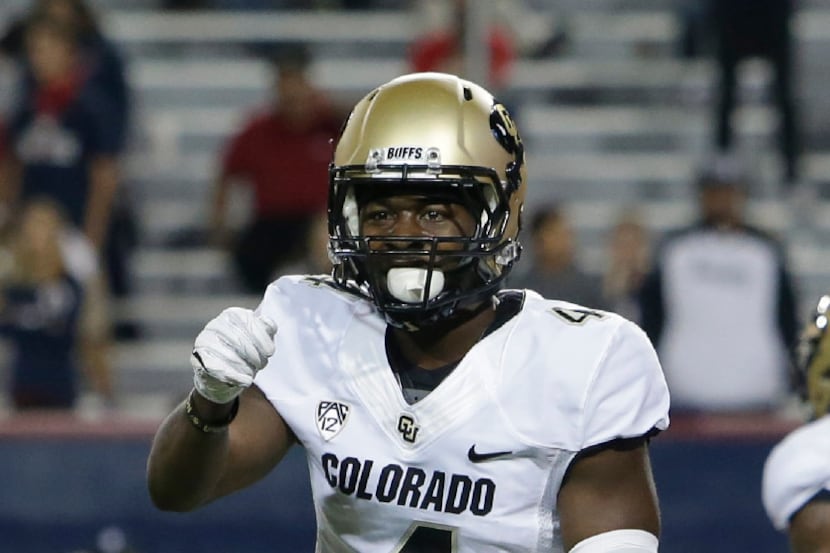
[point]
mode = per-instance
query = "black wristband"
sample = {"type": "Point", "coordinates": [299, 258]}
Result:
{"type": "Point", "coordinates": [208, 427]}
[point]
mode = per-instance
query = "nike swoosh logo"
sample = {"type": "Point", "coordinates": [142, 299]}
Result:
{"type": "Point", "coordinates": [477, 457]}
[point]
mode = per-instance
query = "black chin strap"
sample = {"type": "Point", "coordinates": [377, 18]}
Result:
{"type": "Point", "coordinates": [459, 312]}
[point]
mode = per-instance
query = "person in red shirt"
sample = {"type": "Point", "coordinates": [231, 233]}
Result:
{"type": "Point", "coordinates": [282, 154]}
{"type": "Point", "coordinates": [443, 49]}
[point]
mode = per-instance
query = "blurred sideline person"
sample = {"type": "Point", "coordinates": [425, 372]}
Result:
{"type": "Point", "coordinates": [106, 69]}
{"type": "Point", "coordinates": [283, 155]}
{"type": "Point", "coordinates": [719, 305]}
{"type": "Point", "coordinates": [438, 411]}
{"type": "Point", "coordinates": [796, 483]}
{"type": "Point", "coordinates": [64, 145]}
{"type": "Point", "coordinates": [102, 68]}
{"type": "Point", "coordinates": [554, 272]}
{"type": "Point", "coordinates": [628, 258]}
{"type": "Point", "coordinates": [103, 62]}
{"type": "Point", "coordinates": [61, 134]}
{"type": "Point", "coordinates": [745, 29]}
{"type": "Point", "coordinates": [41, 300]}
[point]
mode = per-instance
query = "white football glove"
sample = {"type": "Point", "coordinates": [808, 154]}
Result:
{"type": "Point", "coordinates": [229, 351]}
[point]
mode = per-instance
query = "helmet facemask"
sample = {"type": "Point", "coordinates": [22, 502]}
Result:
{"type": "Point", "coordinates": [418, 280]}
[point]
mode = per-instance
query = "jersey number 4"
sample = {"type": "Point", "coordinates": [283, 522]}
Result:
{"type": "Point", "coordinates": [576, 316]}
{"type": "Point", "coordinates": [423, 537]}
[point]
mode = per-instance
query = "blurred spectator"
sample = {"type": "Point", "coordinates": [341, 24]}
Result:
{"type": "Point", "coordinates": [103, 63]}
{"type": "Point", "coordinates": [102, 59]}
{"type": "Point", "coordinates": [757, 28]}
{"type": "Point", "coordinates": [106, 71]}
{"type": "Point", "coordinates": [283, 155]}
{"type": "Point", "coordinates": [554, 272]}
{"type": "Point", "coordinates": [101, 67]}
{"type": "Point", "coordinates": [62, 135]}
{"type": "Point", "coordinates": [63, 147]}
{"type": "Point", "coordinates": [627, 265]}
{"type": "Point", "coordinates": [40, 306]}
{"type": "Point", "coordinates": [719, 305]}
{"type": "Point", "coordinates": [442, 48]}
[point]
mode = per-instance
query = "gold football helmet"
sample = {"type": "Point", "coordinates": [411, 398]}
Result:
{"type": "Point", "coordinates": [428, 135]}
{"type": "Point", "coordinates": [814, 359]}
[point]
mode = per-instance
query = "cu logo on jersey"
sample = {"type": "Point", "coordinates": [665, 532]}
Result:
{"type": "Point", "coordinates": [331, 418]}
{"type": "Point", "coordinates": [408, 428]}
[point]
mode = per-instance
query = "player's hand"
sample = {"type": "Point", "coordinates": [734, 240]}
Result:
{"type": "Point", "coordinates": [229, 351]}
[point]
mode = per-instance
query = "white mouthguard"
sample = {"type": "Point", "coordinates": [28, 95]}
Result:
{"type": "Point", "coordinates": [407, 283]}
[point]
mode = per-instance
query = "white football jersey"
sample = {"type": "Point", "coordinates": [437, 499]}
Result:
{"type": "Point", "coordinates": [796, 470]}
{"type": "Point", "coordinates": [476, 465]}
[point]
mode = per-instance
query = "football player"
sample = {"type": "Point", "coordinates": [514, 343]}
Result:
{"type": "Point", "coordinates": [796, 484]}
{"type": "Point", "coordinates": [438, 411]}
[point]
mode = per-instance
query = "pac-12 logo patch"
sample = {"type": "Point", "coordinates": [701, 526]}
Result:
{"type": "Point", "coordinates": [331, 418]}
